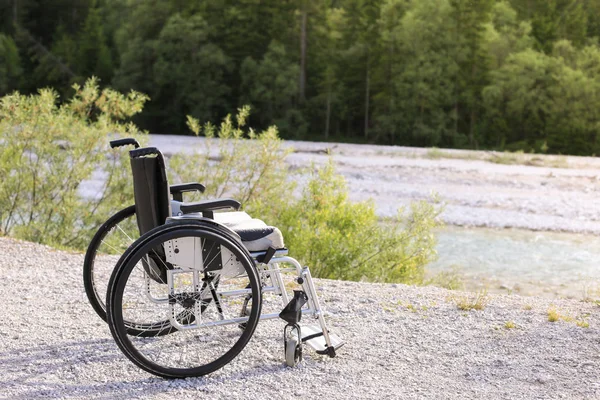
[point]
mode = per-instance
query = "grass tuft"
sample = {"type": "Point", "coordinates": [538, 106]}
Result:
{"type": "Point", "coordinates": [477, 302]}
{"type": "Point", "coordinates": [582, 323]}
{"type": "Point", "coordinates": [553, 315]}
{"type": "Point", "coordinates": [509, 325]}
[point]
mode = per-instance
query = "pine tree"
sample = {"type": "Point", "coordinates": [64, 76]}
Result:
{"type": "Point", "coordinates": [385, 107]}
{"type": "Point", "coordinates": [470, 18]}
{"type": "Point", "coordinates": [135, 41]}
{"type": "Point", "coordinates": [189, 73]}
{"type": "Point", "coordinates": [325, 60]}
{"type": "Point", "coordinates": [553, 20]}
{"type": "Point", "coordinates": [425, 83]}
{"type": "Point", "coordinates": [270, 86]}
{"type": "Point", "coordinates": [94, 55]}
{"type": "Point", "coordinates": [10, 65]}
{"type": "Point", "coordinates": [360, 39]}
{"type": "Point", "coordinates": [62, 55]}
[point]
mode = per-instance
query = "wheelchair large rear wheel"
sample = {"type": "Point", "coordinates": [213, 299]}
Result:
{"type": "Point", "coordinates": [204, 300]}
{"type": "Point", "coordinates": [107, 246]}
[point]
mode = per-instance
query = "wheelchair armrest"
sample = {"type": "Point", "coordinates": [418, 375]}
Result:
{"type": "Point", "coordinates": [177, 190]}
{"type": "Point", "coordinates": [206, 207]}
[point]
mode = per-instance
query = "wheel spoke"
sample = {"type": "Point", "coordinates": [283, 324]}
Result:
{"type": "Point", "coordinates": [197, 347]}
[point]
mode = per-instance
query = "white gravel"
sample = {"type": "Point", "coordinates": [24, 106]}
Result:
{"type": "Point", "coordinates": [476, 193]}
{"type": "Point", "coordinates": [401, 343]}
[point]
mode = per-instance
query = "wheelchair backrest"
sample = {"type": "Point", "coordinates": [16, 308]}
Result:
{"type": "Point", "coordinates": [150, 188]}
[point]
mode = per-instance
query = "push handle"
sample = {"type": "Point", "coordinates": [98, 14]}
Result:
{"type": "Point", "coordinates": [144, 151]}
{"type": "Point", "coordinates": [150, 151]}
{"type": "Point", "coordinates": [124, 142]}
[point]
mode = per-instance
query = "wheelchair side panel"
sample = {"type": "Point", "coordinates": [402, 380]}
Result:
{"type": "Point", "coordinates": [186, 253]}
{"type": "Point", "coordinates": [198, 254]}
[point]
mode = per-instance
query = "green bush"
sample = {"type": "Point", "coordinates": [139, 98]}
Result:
{"type": "Point", "coordinates": [233, 161]}
{"type": "Point", "coordinates": [48, 150]}
{"type": "Point", "coordinates": [340, 239]}
{"type": "Point", "coordinates": [337, 238]}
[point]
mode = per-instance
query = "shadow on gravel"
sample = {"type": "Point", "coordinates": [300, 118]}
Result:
{"type": "Point", "coordinates": [53, 371]}
{"type": "Point", "coordinates": [36, 366]}
{"type": "Point", "coordinates": [114, 390]}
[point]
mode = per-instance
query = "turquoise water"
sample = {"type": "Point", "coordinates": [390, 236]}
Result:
{"type": "Point", "coordinates": [523, 262]}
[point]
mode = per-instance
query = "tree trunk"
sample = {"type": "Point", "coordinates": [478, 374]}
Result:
{"type": "Point", "coordinates": [328, 115]}
{"type": "Point", "coordinates": [302, 80]}
{"type": "Point", "coordinates": [15, 12]}
{"type": "Point", "coordinates": [456, 116]}
{"type": "Point", "coordinates": [367, 95]}
{"type": "Point", "coordinates": [472, 139]}
{"type": "Point", "coordinates": [457, 88]}
{"type": "Point", "coordinates": [392, 103]}
{"type": "Point", "coordinates": [473, 116]}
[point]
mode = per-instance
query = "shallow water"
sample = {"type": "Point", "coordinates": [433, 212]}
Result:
{"type": "Point", "coordinates": [524, 262]}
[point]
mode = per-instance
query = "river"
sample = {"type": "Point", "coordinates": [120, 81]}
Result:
{"type": "Point", "coordinates": [549, 264]}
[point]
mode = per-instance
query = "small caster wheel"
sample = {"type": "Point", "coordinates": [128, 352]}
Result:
{"type": "Point", "coordinates": [293, 352]}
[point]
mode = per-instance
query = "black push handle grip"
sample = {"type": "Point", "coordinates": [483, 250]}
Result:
{"type": "Point", "coordinates": [150, 151]}
{"type": "Point", "coordinates": [124, 142]}
{"type": "Point", "coordinates": [144, 151]}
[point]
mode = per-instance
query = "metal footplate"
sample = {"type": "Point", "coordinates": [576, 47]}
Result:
{"type": "Point", "coordinates": [313, 336]}
{"type": "Point", "coordinates": [317, 337]}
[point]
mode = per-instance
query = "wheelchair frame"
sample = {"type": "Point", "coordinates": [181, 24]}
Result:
{"type": "Point", "coordinates": [269, 269]}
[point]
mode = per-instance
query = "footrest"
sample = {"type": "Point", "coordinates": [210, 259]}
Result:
{"type": "Point", "coordinates": [318, 343]}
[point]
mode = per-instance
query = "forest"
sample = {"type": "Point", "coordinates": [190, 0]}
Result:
{"type": "Point", "coordinates": [478, 74]}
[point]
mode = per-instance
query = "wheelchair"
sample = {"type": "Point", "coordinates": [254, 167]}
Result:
{"type": "Point", "coordinates": [185, 297]}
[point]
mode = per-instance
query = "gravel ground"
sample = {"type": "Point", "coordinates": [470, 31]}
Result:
{"type": "Point", "coordinates": [401, 342]}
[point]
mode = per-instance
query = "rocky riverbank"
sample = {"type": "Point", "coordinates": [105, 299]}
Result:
{"type": "Point", "coordinates": [480, 189]}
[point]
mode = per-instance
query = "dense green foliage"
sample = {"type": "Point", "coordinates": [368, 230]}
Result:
{"type": "Point", "coordinates": [499, 74]}
{"type": "Point", "coordinates": [340, 239]}
{"type": "Point", "coordinates": [49, 151]}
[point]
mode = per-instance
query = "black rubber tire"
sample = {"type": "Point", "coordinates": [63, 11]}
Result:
{"type": "Point", "coordinates": [97, 299]}
{"type": "Point", "coordinates": [293, 352]}
{"type": "Point", "coordinates": [120, 329]}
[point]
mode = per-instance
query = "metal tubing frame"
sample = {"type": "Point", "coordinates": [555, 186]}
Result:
{"type": "Point", "coordinates": [308, 285]}
{"type": "Point", "coordinates": [273, 270]}
{"type": "Point", "coordinates": [277, 281]}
